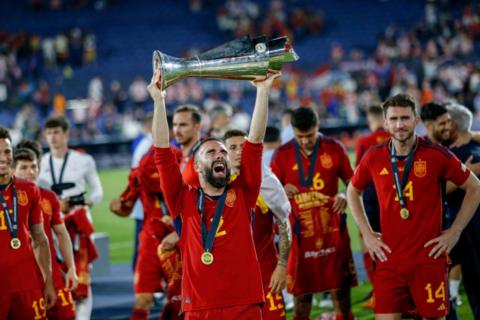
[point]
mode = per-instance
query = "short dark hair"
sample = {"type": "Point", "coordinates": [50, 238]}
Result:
{"type": "Point", "coordinates": [4, 134]}
{"type": "Point", "coordinates": [23, 154]}
{"type": "Point", "coordinates": [196, 115]}
{"type": "Point", "coordinates": [375, 110]}
{"type": "Point", "coordinates": [272, 134]}
{"type": "Point", "coordinates": [400, 100]}
{"type": "Point", "coordinates": [57, 121]}
{"type": "Point", "coordinates": [33, 145]}
{"type": "Point", "coordinates": [304, 118]}
{"type": "Point", "coordinates": [234, 133]}
{"type": "Point", "coordinates": [200, 143]}
{"type": "Point", "coordinates": [432, 110]}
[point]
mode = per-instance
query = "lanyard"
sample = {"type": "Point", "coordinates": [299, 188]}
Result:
{"type": "Point", "coordinates": [208, 235]}
{"type": "Point", "coordinates": [11, 221]}
{"type": "Point", "coordinates": [396, 175]}
{"type": "Point", "coordinates": [313, 161]}
{"type": "Point", "coordinates": [62, 170]}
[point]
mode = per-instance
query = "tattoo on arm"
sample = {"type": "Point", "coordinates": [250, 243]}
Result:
{"type": "Point", "coordinates": [284, 242]}
{"type": "Point", "coordinates": [38, 236]}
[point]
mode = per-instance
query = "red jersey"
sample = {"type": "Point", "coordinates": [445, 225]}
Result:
{"type": "Point", "coordinates": [432, 164]}
{"type": "Point", "coordinates": [51, 217]}
{"type": "Point", "coordinates": [366, 142]}
{"type": "Point", "coordinates": [322, 241]}
{"type": "Point", "coordinates": [18, 268]}
{"type": "Point", "coordinates": [234, 276]}
{"type": "Point", "coordinates": [263, 235]}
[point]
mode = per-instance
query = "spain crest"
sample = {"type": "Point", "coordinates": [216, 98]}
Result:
{"type": "Point", "coordinates": [326, 161]}
{"type": "Point", "coordinates": [231, 197]}
{"type": "Point", "coordinates": [420, 168]}
{"type": "Point", "coordinates": [46, 207]}
{"type": "Point", "coordinates": [22, 198]}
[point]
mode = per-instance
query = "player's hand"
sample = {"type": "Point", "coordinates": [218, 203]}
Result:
{"type": "Point", "coordinates": [339, 203]}
{"type": "Point", "coordinates": [290, 190]}
{"type": "Point", "coordinates": [169, 242]}
{"type": "Point", "coordinates": [376, 247]}
{"type": "Point", "coordinates": [268, 81]}
{"type": "Point", "coordinates": [71, 279]}
{"type": "Point", "coordinates": [443, 244]}
{"type": "Point", "coordinates": [278, 280]}
{"type": "Point", "coordinates": [155, 88]}
{"type": "Point", "coordinates": [49, 294]}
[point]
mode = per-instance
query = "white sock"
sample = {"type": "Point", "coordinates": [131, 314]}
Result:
{"type": "Point", "coordinates": [454, 285]}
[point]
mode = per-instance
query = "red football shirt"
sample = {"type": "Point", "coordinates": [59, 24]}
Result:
{"type": "Point", "coordinates": [190, 176]}
{"type": "Point", "coordinates": [18, 268]}
{"type": "Point", "coordinates": [263, 235]}
{"type": "Point", "coordinates": [366, 142]}
{"type": "Point", "coordinates": [234, 276]}
{"type": "Point", "coordinates": [432, 164]}
{"type": "Point", "coordinates": [51, 217]}
{"type": "Point", "coordinates": [332, 163]}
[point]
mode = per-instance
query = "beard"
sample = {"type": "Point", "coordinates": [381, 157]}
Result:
{"type": "Point", "coordinates": [217, 182]}
{"type": "Point", "coordinates": [404, 139]}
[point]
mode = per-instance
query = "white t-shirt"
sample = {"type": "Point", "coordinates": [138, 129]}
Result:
{"type": "Point", "coordinates": [80, 169]}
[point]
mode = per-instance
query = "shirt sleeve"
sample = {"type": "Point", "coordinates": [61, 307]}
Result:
{"type": "Point", "coordinates": [454, 170]}
{"type": "Point", "coordinates": [56, 209]}
{"type": "Point", "coordinates": [35, 215]}
{"type": "Point", "coordinates": [362, 176]}
{"type": "Point", "coordinates": [346, 171]}
{"type": "Point", "coordinates": [171, 181]}
{"type": "Point", "coordinates": [274, 195]}
{"type": "Point", "coordinates": [93, 182]}
{"type": "Point", "coordinates": [251, 169]}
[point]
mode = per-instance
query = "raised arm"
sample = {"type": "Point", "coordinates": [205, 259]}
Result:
{"type": "Point", "coordinates": [161, 138]}
{"type": "Point", "coordinates": [260, 112]}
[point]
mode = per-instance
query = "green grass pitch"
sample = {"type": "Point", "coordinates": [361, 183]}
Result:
{"type": "Point", "coordinates": [120, 231]}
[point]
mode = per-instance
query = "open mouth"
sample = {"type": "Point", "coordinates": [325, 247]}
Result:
{"type": "Point", "coordinates": [219, 167]}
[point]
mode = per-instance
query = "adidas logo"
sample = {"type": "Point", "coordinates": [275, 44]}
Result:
{"type": "Point", "coordinates": [384, 172]}
{"type": "Point", "coordinates": [442, 307]}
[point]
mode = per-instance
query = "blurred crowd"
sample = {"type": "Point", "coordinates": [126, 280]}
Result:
{"type": "Point", "coordinates": [433, 60]}
{"type": "Point", "coordinates": [246, 17]}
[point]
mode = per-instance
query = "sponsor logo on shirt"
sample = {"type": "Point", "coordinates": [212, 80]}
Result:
{"type": "Point", "coordinates": [326, 161]}
{"type": "Point", "coordinates": [384, 172]}
{"type": "Point", "coordinates": [420, 168]}
{"type": "Point", "coordinates": [442, 307]}
{"type": "Point", "coordinates": [320, 253]}
{"type": "Point", "coordinates": [22, 198]}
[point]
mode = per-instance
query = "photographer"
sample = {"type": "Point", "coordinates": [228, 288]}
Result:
{"type": "Point", "coordinates": [69, 173]}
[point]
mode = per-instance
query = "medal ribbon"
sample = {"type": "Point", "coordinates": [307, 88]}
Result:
{"type": "Point", "coordinates": [313, 161]}
{"type": "Point", "coordinates": [11, 222]}
{"type": "Point", "coordinates": [396, 174]}
{"type": "Point", "coordinates": [62, 170]}
{"type": "Point", "coordinates": [208, 235]}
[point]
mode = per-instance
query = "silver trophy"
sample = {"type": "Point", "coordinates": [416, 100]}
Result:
{"type": "Point", "coordinates": [240, 59]}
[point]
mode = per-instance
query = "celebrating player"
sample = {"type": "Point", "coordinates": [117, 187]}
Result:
{"type": "Point", "coordinates": [22, 234]}
{"type": "Point", "coordinates": [272, 204]}
{"type": "Point", "coordinates": [221, 274]}
{"type": "Point", "coordinates": [407, 172]}
{"type": "Point", "coordinates": [309, 167]}
{"type": "Point", "coordinates": [26, 166]}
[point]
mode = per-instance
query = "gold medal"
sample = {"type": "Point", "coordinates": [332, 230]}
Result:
{"type": "Point", "coordinates": [404, 213]}
{"type": "Point", "coordinates": [207, 258]}
{"type": "Point", "coordinates": [15, 243]}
